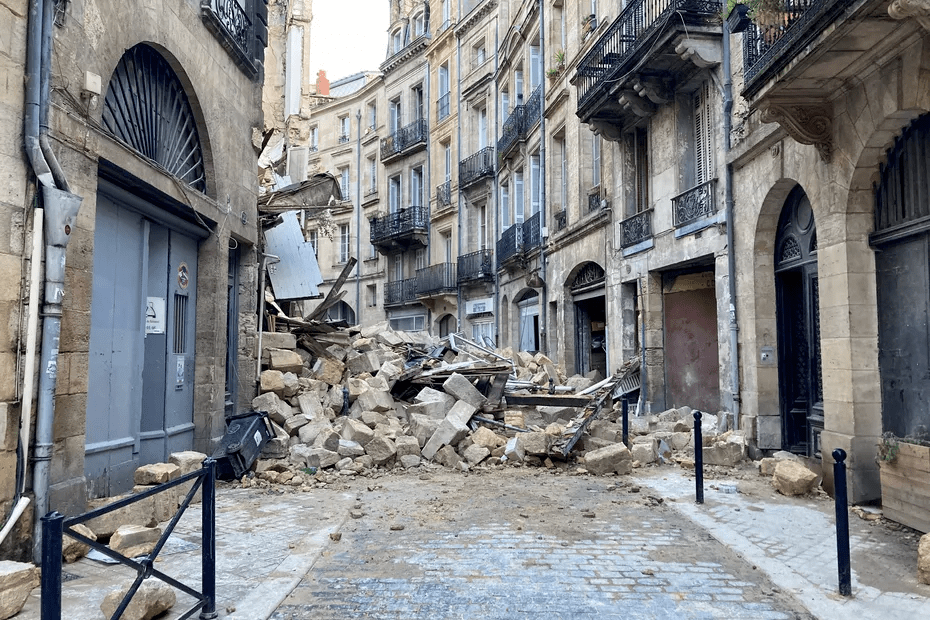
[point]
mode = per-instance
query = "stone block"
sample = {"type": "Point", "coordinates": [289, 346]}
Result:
{"type": "Point", "coordinates": [792, 478]}
{"type": "Point", "coordinates": [373, 330]}
{"type": "Point", "coordinates": [271, 403]}
{"type": "Point", "coordinates": [322, 458]}
{"type": "Point", "coordinates": [554, 414]}
{"type": "Point", "coordinates": [767, 467]}
{"type": "Point", "coordinates": [353, 430]}
{"type": "Point", "coordinates": [156, 473]}
{"type": "Point", "coordinates": [364, 462]}
{"type": "Point", "coordinates": [17, 580]}
{"type": "Point", "coordinates": [278, 340]}
{"type": "Point", "coordinates": [344, 463]}
{"type": "Point", "coordinates": [514, 450]}
{"type": "Point", "coordinates": [614, 458]}
{"type": "Point", "coordinates": [474, 454]}
{"type": "Point", "coordinates": [375, 400]}
{"type": "Point", "coordinates": [389, 338]}
{"type": "Point", "coordinates": [328, 439]}
{"type": "Point", "coordinates": [350, 448]}
{"type": "Point", "coordinates": [461, 411]}
{"type": "Point", "coordinates": [408, 461]}
{"type": "Point", "coordinates": [515, 418]}
{"type": "Point", "coordinates": [462, 389]}
{"type": "Point", "coordinates": [188, 460]}
{"type": "Point", "coordinates": [406, 444]}
{"type": "Point", "coordinates": [923, 560]}
{"type": "Point", "coordinates": [679, 441]}
{"type": "Point", "coordinates": [328, 370]}
{"type": "Point", "coordinates": [138, 513]}
{"type": "Point", "coordinates": [579, 383]}
{"type": "Point", "coordinates": [589, 443]}
{"type": "Point", "coordinates": [275, 448]}
{"type": "Point", "coordinates": [285, 361]}
{"type": "Point", "coordinates": [308, 433]}
{"type": "Point", "coordinates": [725, 453]}
{"type": "Point", "coordinates": [291, 384]}
{"type": "Point", "coordinates": [272, 381]}
{"type": "Point", "coordinates": [293, 424]}
{"type": "Point", "coordinates": [602, 429]}
{"type": "Point", "coordinates": [535, 443]}
{"type": "Point", "coordinates": [152, 599]}
{"type": "Point", "coordinates": [358, 363]}
{"type": "Point", "coordinates": [357, 387]}
{"type": "Point", "coordinates": [134, 540]}
{"type": "Point", "coordinates": [372, 419]}
{"type": "Point", "coordinates": [422, 427]}
{"type": "Point", "coordinates": [449, 432]}
{"type": "Point", "coordinates": [448, 457]}
{"type": "Point", "coordinates": [310, 405]}
{"type": "Point", "coordinates": [390, 372]}
{"type": "Point", "coordinates": [487, 438]}
{"type": "Point", "coordinates": [643, 452]}
{"type": "Point", "coordinates": [73, 549]}
{"type": "Point", "coordinates": [381, 450]}
{"type": "Point", "coordinates": [164, 503]}
{"type": "Point", "coordinates": [298, 455]}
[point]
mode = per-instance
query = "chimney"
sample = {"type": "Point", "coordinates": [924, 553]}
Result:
{"type": "Point", "coordinates": [322, 84]}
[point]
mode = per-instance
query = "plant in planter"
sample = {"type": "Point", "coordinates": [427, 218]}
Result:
{"type": "Point", "coordinates": [554, 73]}
{"type": "Point", "coordinates": [904, 464]}
{"type": "Point", "coordinates": [559, 59]}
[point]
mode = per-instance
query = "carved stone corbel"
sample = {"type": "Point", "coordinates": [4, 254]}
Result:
{"type": "Point", "coordinates": [606, 129]}
{"type": "Point", "coordinates": [918, 9]}
{"type": "Point", "coordinates": [806, 122]}
{"type": "Point", "coordinates": [704, 53]}
{"type": "Point", "coordinates": [654, 89]}
{"type": "Point", "coordinates": [636, 104]}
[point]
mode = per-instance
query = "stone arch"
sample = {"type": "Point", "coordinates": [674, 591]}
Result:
{"type": "Point", "coordinates": [445, 324]}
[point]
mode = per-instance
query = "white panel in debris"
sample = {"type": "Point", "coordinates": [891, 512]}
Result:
{"type": "Point", "coordinates": [297, 274]}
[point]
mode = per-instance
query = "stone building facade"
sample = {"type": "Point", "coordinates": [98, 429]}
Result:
{"type": "Point", "coordinates": [151, 122]}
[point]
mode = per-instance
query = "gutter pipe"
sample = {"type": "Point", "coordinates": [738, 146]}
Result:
{"type": "Point", "coordinates": [731, 249]}
{"type": "Point", "coordinates": [358, 219]}
{"type": "Point", "coordinates": [544, 298]}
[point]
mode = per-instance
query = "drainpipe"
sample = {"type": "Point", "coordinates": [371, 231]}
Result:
{"type": "Point", "coordinates": [731, 254]}
{"type": "Point", "coordinates": [543, 311]}
{"type": "Point", "coordinates": [458, 150]}
{"type": "Point", "coordinates": [358, 219]}
{"type": "Point", "coordinates": [61, 209]}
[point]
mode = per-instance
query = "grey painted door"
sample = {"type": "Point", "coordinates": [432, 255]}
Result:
{"type": "Point", "coordinates": [141, 362]}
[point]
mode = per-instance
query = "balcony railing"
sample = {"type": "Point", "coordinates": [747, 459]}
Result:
{"type": "Point", "coordinates": [343, 138]}
{"type": "Point", "coordinates": [232, 26]}
{"type": "Point", "coordinates": [695, 204]}
{"type": "Point", "coordinates": [476, 266]}
{"type": "Point", "coordinates": [510, 244]}
{"type": "Point", "coordinates": [436, 279]}
{"type": "Point", "coordinates": [513, 130]}
{"type": "Point", "coordinates": [442, 106]}
{"type": "Point", "coordinates": [631, 31]}
{"type": "Point", "coordinates": [404, 222]}
{"type": "Point", "coordinates": [637, 228]}
{"type": "Point", "coordinates": [404, 139]}
{"type": "Point", "coordinates": [444, 194]}
{"type": "Point", "coordinates": [594, 202]}
{"type": "Point", "coordinates": [531, 232]}
{"type": "Point", "coordinates": [533, 107]}
{"type": "Point", "coordinates": [561, 219]}
{"type": "Point", "coordinates": [400, 292]}
{"type": "Point", "coordinates": [476, 166]}
{"type": "Point", "coordinates": [770, 42]}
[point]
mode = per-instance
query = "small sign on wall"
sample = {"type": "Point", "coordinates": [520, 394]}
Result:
{"type": "Point", "coordinates": [155, 316]}
{"type": "Point", "coordinates": [179, 378]}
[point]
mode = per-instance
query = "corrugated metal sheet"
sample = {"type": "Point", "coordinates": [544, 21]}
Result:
{"type": "Point", "coordinates": [297, 274]}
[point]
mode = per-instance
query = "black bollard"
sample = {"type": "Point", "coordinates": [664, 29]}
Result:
{"type": "Point", "coordinates": [208, 541]}
{"type": "Point", "coordinates": [52, 533]}
{"type": "Point", "coordinates": [625, 413]}
{"type": "Point", "coordinates": [842, 522]}
{"type": "Point", "coordinates": [698, 460]}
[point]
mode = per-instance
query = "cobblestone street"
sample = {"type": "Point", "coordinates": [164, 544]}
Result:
{"type": "Point", "coordinates": [526, 545]}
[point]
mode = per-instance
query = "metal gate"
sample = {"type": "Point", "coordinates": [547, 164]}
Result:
{"type": "Point", "coordinates": [141, 362]}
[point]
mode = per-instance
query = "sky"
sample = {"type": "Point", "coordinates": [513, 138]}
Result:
{"type": "Point", "coordinates": [348, 36]}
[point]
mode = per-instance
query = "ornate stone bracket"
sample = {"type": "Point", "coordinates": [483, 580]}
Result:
{"type": "Point", "coordinates": [918, 9]}
{"type": "Point", "coordinates": [704, 53]}
{"type": "Point", "coordinates": [606, 129]}
{"type": "Point", "coordinates": [806, 122]}
{"type": "Point", "coordinates": [636, 104]}
{"type": "Point", "coordinates": [654, 89]}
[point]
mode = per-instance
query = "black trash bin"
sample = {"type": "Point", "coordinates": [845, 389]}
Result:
{"type": "Point", "coordinates": [246, 435]}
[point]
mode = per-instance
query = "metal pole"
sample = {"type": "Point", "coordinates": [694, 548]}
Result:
{"type": "Point", "coordinates": [208, 561]}
{"type": "Point", "coordinates": [625, 410]}
{"type": "Point", "coordinates": [52, 532]}
{"type": "Point", "coordinates": [698, 460]}
{"type": "Point", "coordinates": [842, 522]}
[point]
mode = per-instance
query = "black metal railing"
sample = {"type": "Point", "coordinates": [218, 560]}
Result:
{"type": "Point", "coordinates": [404, 138]}
{"type": "Point", "coordinates": [442, 106]}
{"type": "Point", "coordinates": [694, 204]}
{"type": "Point", "coordinates": [510, 244]}
{"type": "Point", "coordinates": [55, 526]}
{"type": "Point", "coordinates": [444, 194]}
{"type": "Point", "coordinates": [476, 266]}
{"type": "Point", "coordinates": [561, 219]}
{"type": "Point", "coordinates": [513, 130]}
{"type": "Point", "coordinates": [400, 292]}
{"type": "Point", "coordinates": [343, 138]}
{"type": "Point", "coordinates": [403, 222]}
{"type": "Point", "coordinates": [235, 21]}
{"type": "Point", "coordinates": [636, 228]}
{"type": "Point", "coordinates": [533, 108]}
{"type": "Point", "coordinates": [436, 279]}
{"type": "Point", "coordinates": [476, 166]}
{"type": "Point", "coordinates": [628, 33]}
{"type": "Point", "coordinates": [594, 202]}
{"type": "Point", "coordinates": [531, 232]}
{"type": "Point", "coordinates": [231, 25]}
{"type": "Point", "coordinates": [774, 36]}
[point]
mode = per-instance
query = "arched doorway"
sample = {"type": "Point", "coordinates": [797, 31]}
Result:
{"type": "Point", "coordinates": [341, 312]}
{"type": "Point", "coordinates": [590, 328]}
{"type": "Point", "coordinates": [528, 303]}
{"type": "Point", "coordinates": [447, 325]}
{"type": "Point", "coordinates": [800, 376]}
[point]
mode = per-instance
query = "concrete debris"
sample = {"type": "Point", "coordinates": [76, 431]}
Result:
{"type": "Point", "coordinates": [792, 478]}
{"type": "Point", "coordinates": [153, 597]}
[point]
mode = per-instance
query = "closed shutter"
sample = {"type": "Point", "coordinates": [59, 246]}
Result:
{"type": "Point", "coordinates": [703, 136]}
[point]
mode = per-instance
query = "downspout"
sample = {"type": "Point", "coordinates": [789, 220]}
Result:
{"type": "Point", "coordinates": [543, 311]}
{"type": "Point", "coordinates": [358, 219]}
{"type": "Point", "coordinates": [497, 188]}
{"type": "Point", "coordinates": [61, 209]}
{"type": "Point", "coordinates": [731, 253]}
{"type": "Point", "coordinates": [458, 150]}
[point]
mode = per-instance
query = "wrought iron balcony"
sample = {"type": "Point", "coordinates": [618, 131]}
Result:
{"type": "Point", "coordinates": [442, 106]}
{"type": "Point", "coordinates": [531, 232]}
{"type": "Point", "coordinates": [477, 166]}
{"type": "Point", "coordinates": [400, 292]}
{"type": "Point", "coordinates": [343, 138]}
{"type": "Point", "coordinates": [644, 28]}
{"type": "Point", "coordinates": [444, 194]}
{"type": "Point", "coordinates": [533, 108]}
{"type": "Point", "coordinates": [510, 245]}
{"type": "Point", "coordinates": [594, 202]}
{"type": "Point", "coordinates": [405, 140]}
{"type": "Point", "coordinates": [636, 229]}
{"type": "Point", "coordinates": [400, 230]}
{"type": "Point", "coordinates": [561, 219]}
{"type": "Point", "coordinates": [436, 280]}
{"type": "Point", "coordinates": [476, 266]}
{"type": "Point", "coordinates": [695, 204]}
{"type": "Point", "coordinates": [513, 131]}
{"type": "Point", "coordinates": [231, 25]}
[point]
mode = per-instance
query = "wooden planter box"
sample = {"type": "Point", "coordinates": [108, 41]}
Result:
{"type": "Point", "coordinates": [906, 487]}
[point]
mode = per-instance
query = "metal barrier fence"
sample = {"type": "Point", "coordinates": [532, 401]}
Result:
{"type": "Point", "coordinates": [55, 526]}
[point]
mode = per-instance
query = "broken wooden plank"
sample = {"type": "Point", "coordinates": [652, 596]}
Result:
{"type": "Point", "coordinates": [330, 300]}
{"type": "Point", "coordinates": [498, 383]}
{"type": "Point", "coordinates": [550, 400]}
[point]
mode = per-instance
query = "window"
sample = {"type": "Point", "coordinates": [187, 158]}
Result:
{"type": "Point", "coordinates": [518, 85]}
{"type": "Point", "coordinates": [703, 136]}
{"type": "Point", "coordinates": [372, 251]}
{"type": "Point", "coordinates": [447, 152]}
{"type": "Point", "coordinates": [344, 183]}
{"type": "Point", "coordinates": [416, 187]}
{"type": "Point", "coordinates": [443, 103]}
{"type": "Point", "coordinates": [372, 295]}
{"type": "Point", "coordinates": [595, 160]}
{"type": "Point", "coordinates": [419, 24]}
{"type": "Point", "coordinates": [314, 138]}
{"type": "Point", "coordinates": [641, 170]}
{"type": "Point", "coordinates": [408, 323]}
{"type": "Point", "coordinates": [480, 54]}
{"type": "Point", "coordinates": [482, 128]}
{"type": "Point", "coordinates": [398, 267]}
{"type": "Point", "coordinates": [421, 258]}
{"type": "Point", "coordinates": [505, 205]}
{"type": "Point", "coordinates": [505, 106]}
{"type": "Point", "coordinates": [535, 184]}
{"type": "Point", "coordinates": [372, 116]}
{"type": "Point", "coordinates": [344, 240]}
{"type": "Point", "coordinates": [313, 238]}
{"type": "Point", "coordinates": [397, 40]}
{"type": "Point", "coordinates": [445, 12]}
{"type": "Point", "coordinates": [483, 333]}
{"type": "Point", "coordinates": [394, 118]}
{"type": "Point", "coordinates": [394, 194]}
{"type": "Point", "coordinates": [518, 197]}
{"type": "Point", "coordinates": [483, 227]}
{"type": "Point", "coordinates": [447, 245]}
{"type": "Point", "coordinates": [344, 129]}
{"type": "Point", "coordinates": [372, 175]}
{"type": "Point", "coordinates": [535, 67]}
{"type": "Point", "coordinates": [562, 171]}
{"type": "Point", "coordinates": [416, 102]}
